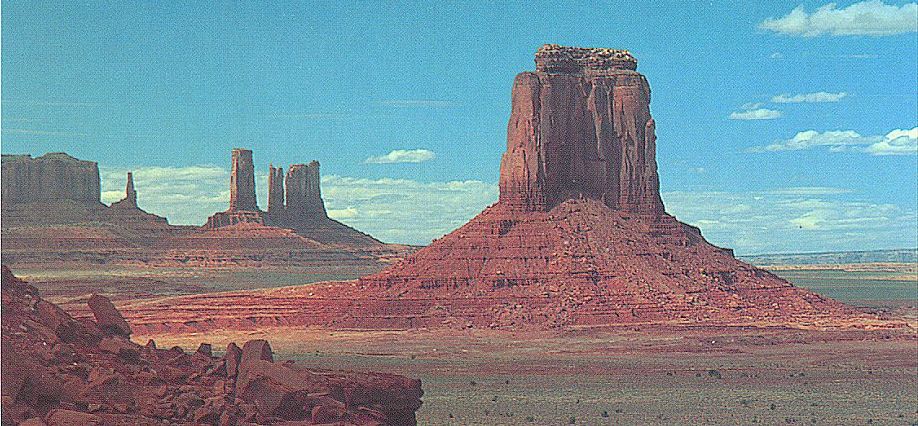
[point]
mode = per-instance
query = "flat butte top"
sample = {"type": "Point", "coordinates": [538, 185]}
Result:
{"type": "Point", "coordinates": [571, 60]}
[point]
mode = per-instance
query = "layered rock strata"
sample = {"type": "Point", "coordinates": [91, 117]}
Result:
{"type": "Point", "coordinates": [580, 126]}
{"type": "Point", "coordinates": [61, 371]}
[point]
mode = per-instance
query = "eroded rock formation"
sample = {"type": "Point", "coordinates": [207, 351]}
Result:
{"type": "Point", "coordinates": [52, 177]}
{"type": "Point", "coordinates": [275, 189]}
{"type": "Point", "coordinates": [304, 196]}
{"type": "Point", "coordinates": [295, 203]}
{"type": "Point", "coordinates": [581, 126]}
{"type": "Point", "coordinates": [579, 235]}
{"type": "Point", "coordinates": [242, 182]}
{"type": "Point", "coordinates": [60, 371]}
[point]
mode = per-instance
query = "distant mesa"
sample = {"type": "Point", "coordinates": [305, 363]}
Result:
{"type": "Point", "coordinates": [52, 177]}
{"type": "Point", "coordinates": [57, 188]}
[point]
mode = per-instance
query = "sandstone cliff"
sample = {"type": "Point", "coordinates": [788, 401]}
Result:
{"type": "Point", "coordinates": [50, 178]}
{"type": "Point", "coordinates": [581, 126]}
{"type": "Point", "coordinates": [242, 181]}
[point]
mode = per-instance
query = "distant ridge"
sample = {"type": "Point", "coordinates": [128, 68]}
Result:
{"type": "Point", "coordinates": [835, 257]}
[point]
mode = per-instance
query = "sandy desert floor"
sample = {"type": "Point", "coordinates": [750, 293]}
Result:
{"type": "Point", "coordinates": [626, 376]}
{"type": "Point", "coordinates": [608, 376]}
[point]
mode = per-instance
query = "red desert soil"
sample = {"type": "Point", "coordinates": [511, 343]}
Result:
{"type": "Point", "coordinates": [61, 371]}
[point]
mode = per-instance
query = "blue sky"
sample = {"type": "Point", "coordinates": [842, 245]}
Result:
{"type": "Point", "coordinates": [777, 121]}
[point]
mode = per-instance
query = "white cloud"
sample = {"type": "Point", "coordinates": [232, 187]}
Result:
{"type": "Point", "coordinates": [755, 114]}
{"type": "Point", "coordinates": [185, 195]}
{"type": "Point", "coordinates": [809, 190]}
{"type": "Point", "coordinates": [896, 142]}
{"type": "Point", "coordinates": [404, 210]}
{"type": "Point", "coordinates": [794, 219]}
{"type": "Point", "coordinates": [872, 18]}
{"type": "Point", "coordinates": [402, 156]}
{"type": "Point", "coordinates": [814, 97]}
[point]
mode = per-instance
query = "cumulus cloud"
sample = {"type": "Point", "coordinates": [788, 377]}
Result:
{"type": "Point", "coordinates": [896, 142]}
{"type": "Point", "coordinates": [402, 156]}
{"type": "Point", "coordinates": [404, 210]}
{"type": "Point", "coordinates": [871, 18]}
{"type": "Point", "coordinates": [755, 114]}
{"type": "Point", "coordinates": [794, 219]}
{"type": "Point", "coordinates": [815, 97]}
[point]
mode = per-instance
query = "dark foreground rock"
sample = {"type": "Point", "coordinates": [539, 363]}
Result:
{"type": "Point", "coordinates": [61, 371]}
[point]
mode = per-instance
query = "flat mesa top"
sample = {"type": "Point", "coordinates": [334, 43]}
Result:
{"type": "Point", "coordinates": [564, 59]}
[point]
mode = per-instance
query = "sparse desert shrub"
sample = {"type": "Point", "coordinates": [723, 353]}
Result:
{"type": "Point", "coordinates": [715, 374]}
{"type": "Point", "coordinates": [571, 420]}
{"type": "Point", "coordinates": [530, 419]}
{"type": "Point", "coordinates": [604, 413]}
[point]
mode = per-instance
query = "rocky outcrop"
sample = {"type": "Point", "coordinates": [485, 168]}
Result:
{"type": "Point", "coordinates": [52, 177]}
{"type": "Point", "coordinates": [243, 207]}
{"type": "Point", "coordinates": [57, 370]}
{"type": "Point", "coordinates": [580, 126]}
{"type": "Point", "coordinates": [242, 182]}
{"type": "Point", "coordinates": [130, 195]}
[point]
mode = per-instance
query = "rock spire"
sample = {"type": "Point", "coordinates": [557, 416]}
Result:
{"type": "Point", "coordinates": [242, 181]}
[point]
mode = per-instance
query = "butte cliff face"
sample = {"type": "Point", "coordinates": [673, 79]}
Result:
{"type": "Point", "coordinates": [579, 235]}
{"type": "Point", "coordinates": [52, 177]}
{"type": "Point", "coordinates": [581, 126]}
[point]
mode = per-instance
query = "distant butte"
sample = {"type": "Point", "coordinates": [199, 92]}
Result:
{"type": "Point", "coordinates": [294, 203]}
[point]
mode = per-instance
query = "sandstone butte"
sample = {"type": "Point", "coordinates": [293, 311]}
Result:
{"type": "Point", "coordinates": [579, 237]}
{"type": "Point", "coordinates": [61, 371]}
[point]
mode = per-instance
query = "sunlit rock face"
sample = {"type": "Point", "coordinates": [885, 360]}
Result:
{"type": "Point", "coordinates": [581, 127]}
